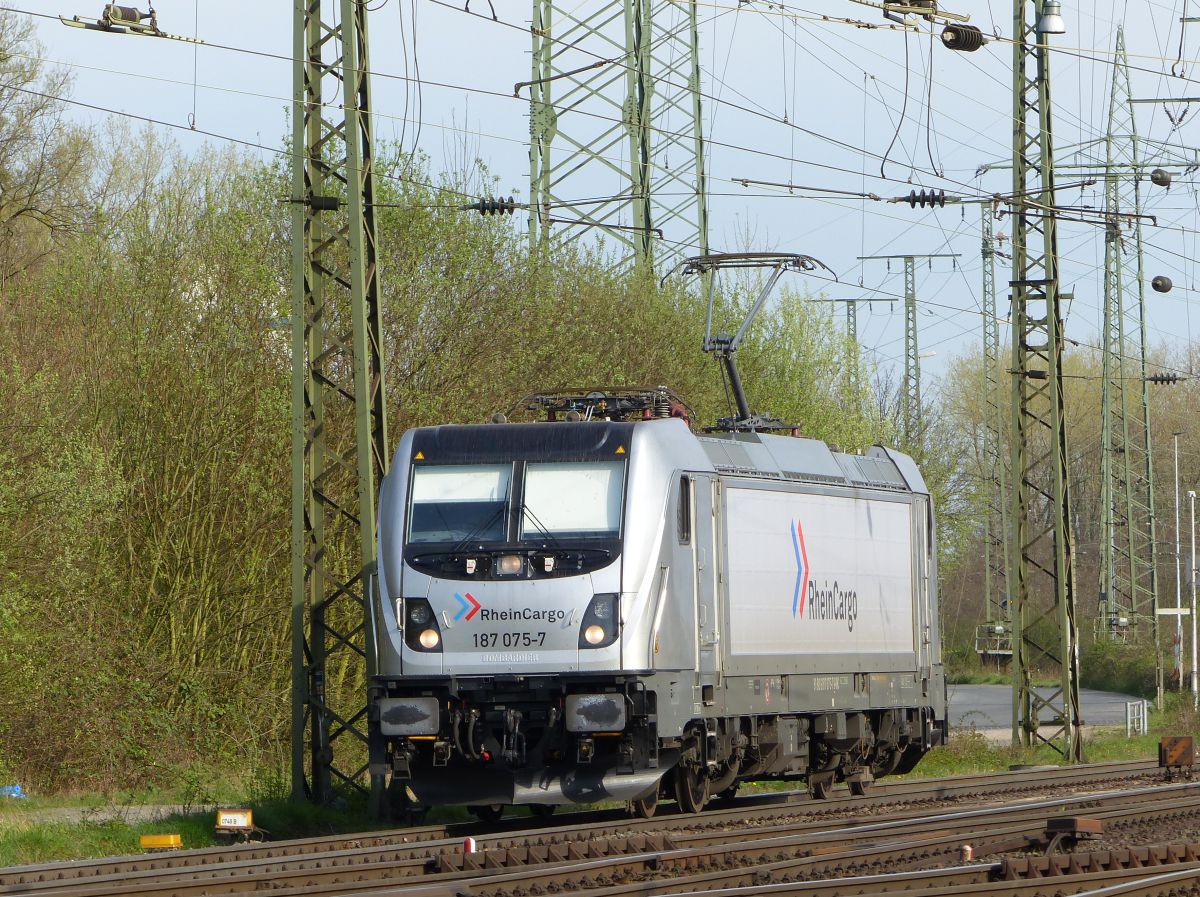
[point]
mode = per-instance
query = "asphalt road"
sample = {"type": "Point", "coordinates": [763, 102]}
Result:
{"type": "Point", "coordinates": [990, 707]}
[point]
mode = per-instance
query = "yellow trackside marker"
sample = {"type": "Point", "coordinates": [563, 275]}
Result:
{"type": "Point", "coordinates": [420, 456]}
{"type": "Point", "coordinates": [160, 842]}
{"type": "Point", "coordinates": [620, 449]}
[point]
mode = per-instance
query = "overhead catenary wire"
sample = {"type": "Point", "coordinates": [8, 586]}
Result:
{"type": "Point", "coordinates": [781, 155]}
{"type": "Point", "coordinates": [484, 91]}
{"type": "Point", "coordinates": [500, 94]}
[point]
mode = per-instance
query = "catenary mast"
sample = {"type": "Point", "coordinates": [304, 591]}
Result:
{"type": "Point", "coordinates": [339, 422]}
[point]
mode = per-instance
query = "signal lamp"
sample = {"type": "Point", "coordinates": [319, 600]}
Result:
{"type": "Point", "coordinates": [422, 632]}
{"type": "Point", "coordinates": [510, 564]}
{"type": "Point", "coordinates": [600, 626]}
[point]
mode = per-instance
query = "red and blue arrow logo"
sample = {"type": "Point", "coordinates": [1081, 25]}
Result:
{"type": "Point", "coordinates": [469, 607]}
{"type": "Point", "coordinates": [801, 569]}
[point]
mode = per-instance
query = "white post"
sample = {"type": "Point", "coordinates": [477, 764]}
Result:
{"type": "Point", "coordinates": [1178, 576]}
{"type": "Point", "coordinates": [1195, 685]}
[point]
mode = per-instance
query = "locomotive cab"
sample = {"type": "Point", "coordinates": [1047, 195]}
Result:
{"type": "Point", "coordinates": [505, 679]}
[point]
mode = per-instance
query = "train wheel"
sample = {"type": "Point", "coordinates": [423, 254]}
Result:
{"type": "Point", "coordinates": [819, 788]}
{"type": "Point", "coordinates": [691, 788]}
{"type": "Point", "coordinates": [885, 762]}
{"type": "Point", "coordinates": [644, 807]}
{"type": "Point", "coordinates": [858, 787]}
{"type": "Point", "coordinates": [542, 811]}
{"type": "Point", "coordinates": [488, 812]}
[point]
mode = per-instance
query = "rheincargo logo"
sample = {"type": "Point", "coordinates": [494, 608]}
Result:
{"type": "Point", "coordinates": [523, 613]}
{"type": "Point", "coordinates": [829, 603]}
{"type": "Point", "coordinates": [833, 603]}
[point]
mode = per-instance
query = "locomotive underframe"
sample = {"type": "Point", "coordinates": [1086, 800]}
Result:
{"type": "Point", "coordinates": [504, 739]}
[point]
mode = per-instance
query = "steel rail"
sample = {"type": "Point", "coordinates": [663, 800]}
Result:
{"type": "Point", "coordinates": [588, 825]}
{"type": "Point", "coordinates": [757, 866]}
{"type": "Point", "coordinates": [913, 840]}
{"type": "Point", "coordinates": [963, 882]}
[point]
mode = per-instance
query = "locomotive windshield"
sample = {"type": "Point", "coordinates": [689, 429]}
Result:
{"type": "Point", "coordinates": [479, 502]}
{"type": "Point", "coordinates": [573, 500]}
{"type": "Point", "coordinates": [454, 502]}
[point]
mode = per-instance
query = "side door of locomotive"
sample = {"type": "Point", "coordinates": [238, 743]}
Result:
{"type": "Point", "coordinates": [706, 499]}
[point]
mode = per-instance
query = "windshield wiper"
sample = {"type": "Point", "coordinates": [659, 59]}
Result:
{"type": "Point", "coordinates": [524, 510]}
{"type": "Point", "coordinates": [482, 525]}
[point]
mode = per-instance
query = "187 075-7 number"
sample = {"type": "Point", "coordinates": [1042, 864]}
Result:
{"type": "Point", "coordinates": [510, 639]}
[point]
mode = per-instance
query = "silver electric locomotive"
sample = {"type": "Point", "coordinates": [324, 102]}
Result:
{"type": "Point", "coordinates": [621, 609]}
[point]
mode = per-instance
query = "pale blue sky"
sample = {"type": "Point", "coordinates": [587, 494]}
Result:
{"type": "Point", "coordinates": [842, 82]}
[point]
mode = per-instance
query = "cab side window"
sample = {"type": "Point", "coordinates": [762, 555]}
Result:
{"type": "Point", "coordinates": [684, 523]}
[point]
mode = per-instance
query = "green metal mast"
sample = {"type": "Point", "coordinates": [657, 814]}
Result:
{"type": "Point", "coordinates": [1128, 544]}
{"type": "Point", "coordinates": [1045, 633]}
{"type": "Point", "coordinates": [853, 349]}
{"type": "Point", "coordinates": [339, 424]}
{"type": "Point", "coordinates": [994, 636]}
{"type": "Point", "coordinates": [912, 355]}
{"type": "Point", "coordinates": [911, 426]}
{"type": "Point", "coordinates": [616, 138]}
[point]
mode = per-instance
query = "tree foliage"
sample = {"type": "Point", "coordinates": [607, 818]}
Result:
{"type": "Point", "coordinates": [145, 384]}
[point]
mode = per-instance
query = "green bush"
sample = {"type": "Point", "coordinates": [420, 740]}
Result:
{"type": "Point", "coordinates": [1110, 666]}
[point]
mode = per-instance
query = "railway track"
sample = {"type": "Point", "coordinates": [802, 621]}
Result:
{"type": "Point", "coordinates": [1156, 870]}
{"type": "Point", "coordinates": [592, 826]}
{"type": "Point", "coordinates": [755, 843]}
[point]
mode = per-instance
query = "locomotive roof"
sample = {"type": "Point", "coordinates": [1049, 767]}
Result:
{"type": "Point", "coordinates": [811, 461]}
{"type": "Point", "coordinates": [749, 454]}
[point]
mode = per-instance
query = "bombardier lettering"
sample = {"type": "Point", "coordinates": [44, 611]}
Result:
{"type": "Point", "coordinates": [492, 615]}
{"type": "Point", "coordinates": [832, 603]}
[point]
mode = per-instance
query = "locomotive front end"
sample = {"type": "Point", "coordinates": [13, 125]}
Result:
{"type": "Point", "coordinates": [498, 620]}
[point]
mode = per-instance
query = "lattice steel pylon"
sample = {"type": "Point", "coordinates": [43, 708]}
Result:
{"type": "Point", "coordinates": [1128, 592]}
{"type": "Point", "coordinates": [1045, 632]}
{"type": "Point", "coordinates": [339, 421]}
{"type": "Point", "coordinates": [616, 138]}
{"type": "Point", "coordinates": [853, 357]}
{"type": "Point", "coordinates": [912, 355]}
{"type": "Point", "coordinates": [912, 426]}
{"type": "Point", "coordinates": [994, 637]}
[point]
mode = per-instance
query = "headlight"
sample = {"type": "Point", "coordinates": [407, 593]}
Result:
{"type": "Point", "coordinates": [601, 622]}
{"type": "Point", "coordinates": [510, 564]}
{"type": "Point", "coordinates": [421, 631]}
